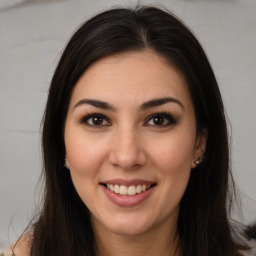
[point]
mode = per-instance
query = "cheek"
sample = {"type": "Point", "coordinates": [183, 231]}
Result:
{"type": "Point", "coordinates": [85, 159]}
{"type": "Point", "coordinates": [173, 154]}
{"type": "Point", "coordinates": [171, 158]}
{"type": "Point", "coordinates": [85, 156]}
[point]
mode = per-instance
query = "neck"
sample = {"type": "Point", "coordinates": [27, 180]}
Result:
{"type": "Point", "coordinates": [154, 242]}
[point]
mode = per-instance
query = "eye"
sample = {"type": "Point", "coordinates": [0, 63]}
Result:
{"type": "Point", "coordinates": [160, 119]}
{"type": "Point", "coordinates": [96, 120]}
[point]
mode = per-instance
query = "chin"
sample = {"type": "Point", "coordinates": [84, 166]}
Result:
{"type": "Point", "coordinates": [125, 224]}
{"type": "Point", "coordinates": [128, 230]}
{"type": "Point", "coordinates": [133, 225]}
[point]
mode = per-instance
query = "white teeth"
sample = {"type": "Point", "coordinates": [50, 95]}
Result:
{"type": "Point", "coordinates": [130, 191]}
{"type": "Point", "coordinates": [138, 189]}
{"type": "Point", "coordinates": [123, 190]}
{"type": "Point", "coordinates": [117, 189]}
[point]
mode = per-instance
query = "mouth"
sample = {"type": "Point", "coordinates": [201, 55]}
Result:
{"type": "Point", "coordinates": [130, 190]}
{"type": "Point", "coordinates": [128, 193]}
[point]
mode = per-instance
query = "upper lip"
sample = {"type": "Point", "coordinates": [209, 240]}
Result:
{"type": "Point", "coordinates": [128, 182]}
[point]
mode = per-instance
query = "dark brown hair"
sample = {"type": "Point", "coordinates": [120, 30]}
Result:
{"type": "Point", "coordinates": [63, 227]}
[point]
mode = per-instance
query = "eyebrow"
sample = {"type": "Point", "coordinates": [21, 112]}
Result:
{"type": "Point", "coordinates": [146, 105]}
{"type": "Point", "coordinates": [95, 103]}
{"type": "Point", "coordinates": [160, 101]}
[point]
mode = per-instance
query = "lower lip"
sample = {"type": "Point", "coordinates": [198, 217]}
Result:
{"type": "Point", "coordinates": [128, 201]}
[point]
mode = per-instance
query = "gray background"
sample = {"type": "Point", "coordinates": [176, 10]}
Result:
{"type": "Point", "coordinates": [32, 36]}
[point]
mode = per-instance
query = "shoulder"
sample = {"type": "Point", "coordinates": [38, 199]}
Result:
{"type": "Point", "coordinates": [250, 233]}
{"type": "Point", "coordinates": [21, 247]}
{"type": "Point", "coordinates": [252, 252]}
{"type": "Point", "coordinates": [252, 244]}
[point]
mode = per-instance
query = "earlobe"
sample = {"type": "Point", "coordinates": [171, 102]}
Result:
{"type": "Point", "coordinates": [66, 163]}
{"type": "Point", "coordinates": [198, 161]}
{"type": "Point", "coordinates": [200, 147]}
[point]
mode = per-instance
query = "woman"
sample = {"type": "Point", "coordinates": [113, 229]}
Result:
{"type": "Point", "coordinates": [135, 145]}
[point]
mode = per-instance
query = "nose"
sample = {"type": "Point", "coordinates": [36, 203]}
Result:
{"type": "Point", "coordinates": [127, 150]}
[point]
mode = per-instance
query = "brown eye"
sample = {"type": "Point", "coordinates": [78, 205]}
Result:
{"type": "Point", "coordinates": [160, 119]}
{"type": "Point", "coordinates": [96, 120]}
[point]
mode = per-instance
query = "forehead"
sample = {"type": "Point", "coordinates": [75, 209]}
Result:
{"type": "Point", "coordinates": [133, 77]}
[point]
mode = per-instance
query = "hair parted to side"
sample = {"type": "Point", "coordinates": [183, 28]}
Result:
{"type": "Point", "coordinates": [64, 228]}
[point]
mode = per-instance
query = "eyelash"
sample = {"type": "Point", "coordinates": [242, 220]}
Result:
{"type": "Point", "coordinates": [166, 116]}
{"type": "Point", "coordinates": [85, 119]}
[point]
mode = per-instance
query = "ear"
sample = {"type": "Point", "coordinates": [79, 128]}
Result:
{"type": "Point", "coordinates": [66, 164]}
{"type": "Point", "coordinates": [200, 146]}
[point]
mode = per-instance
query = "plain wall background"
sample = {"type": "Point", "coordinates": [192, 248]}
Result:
{"type": "Point", "coordinates": [32, 37]}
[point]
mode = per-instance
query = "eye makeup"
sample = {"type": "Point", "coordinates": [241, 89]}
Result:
{"type": "Point", "coordinates": [158, 119]}
{"type": "Point", "coordinates": [95, 120]}
{"type": "Point", "coordinates": [161, 119]}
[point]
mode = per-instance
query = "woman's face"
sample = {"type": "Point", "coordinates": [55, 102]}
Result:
{"type": "Point", "coordinates": [130, 138]}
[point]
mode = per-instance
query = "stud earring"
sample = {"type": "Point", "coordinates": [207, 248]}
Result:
{"type": "Point", "coordinates": [66, 164]}
{"type": "Point", "coordinates": [198, 161]}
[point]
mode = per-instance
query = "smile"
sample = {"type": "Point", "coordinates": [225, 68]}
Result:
{"type": "Point", "coordinates": [128, 190]}
{"type": "Point", "coordinates": [128, 193]}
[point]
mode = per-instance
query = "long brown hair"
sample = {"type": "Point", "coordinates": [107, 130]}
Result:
{"type": "Point", "coordinates": [63, 227]}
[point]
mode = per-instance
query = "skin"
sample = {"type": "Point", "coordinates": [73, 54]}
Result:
{"type": "Point", "coordinates": [21, 247]}
{"type": "Point", "coordinates": [130, 145]}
